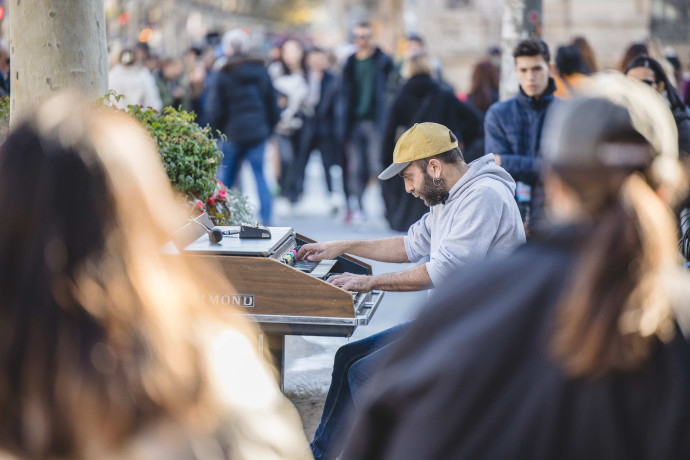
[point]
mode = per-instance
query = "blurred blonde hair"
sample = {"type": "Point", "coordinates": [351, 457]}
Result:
{"type": "Point", "coordinates": [417, 64]}
{"type": "Point", "coordinates": [100, 331]}
{"type": "Point", "coordinates": [616, 149]}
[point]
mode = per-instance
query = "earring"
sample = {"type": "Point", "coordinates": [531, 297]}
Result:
{"type": "Point", "coordinates": [437, 179]}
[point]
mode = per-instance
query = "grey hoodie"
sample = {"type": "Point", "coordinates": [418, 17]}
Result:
{"type": "Point", "coordinates": [479, 218]}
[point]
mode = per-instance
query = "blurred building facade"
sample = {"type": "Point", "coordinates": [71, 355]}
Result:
{"type": "Point", "coordinates": [461, 31]}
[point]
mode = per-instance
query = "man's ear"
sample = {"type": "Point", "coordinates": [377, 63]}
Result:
{"type": "Point", "coordinates": [661, 86]}
{"type": "Point", "coordinates": [434, 168]}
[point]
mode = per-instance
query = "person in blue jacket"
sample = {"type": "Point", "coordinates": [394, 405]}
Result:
{"type": "Point", "coordinates": [513, 128]}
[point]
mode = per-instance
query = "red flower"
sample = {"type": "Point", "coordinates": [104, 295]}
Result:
{"type": "Point", "coordinates": [219, 182]}
{"type": "Point", "coordinates": [222, 193]}
{"type": "Point", "coordinates": [199, 204]}
{"type": "Point", "coordinates": [212, 200]}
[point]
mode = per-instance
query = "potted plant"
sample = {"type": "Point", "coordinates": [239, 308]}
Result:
{"type": "Point", "coordinates": [191, 157]}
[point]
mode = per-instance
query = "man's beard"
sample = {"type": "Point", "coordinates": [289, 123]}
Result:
{"type": "Point", "coordinates": [432, 194]}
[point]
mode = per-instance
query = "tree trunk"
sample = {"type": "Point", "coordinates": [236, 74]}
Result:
{"type": "Point", "coordinates": [521, 19]}
{"type": "Point", "coordinates": [390, 13]}
{"type": "Point", "coordinates": [54, 45]}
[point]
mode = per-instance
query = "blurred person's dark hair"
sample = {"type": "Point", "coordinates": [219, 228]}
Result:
{"type": "Point", "coordinates": [362, 35]}
{"type": "Point", "coordinates": [532, 47]}
{"type": "Point", "coordinates": [675, 62]}
{"type": "Point", "coordinates": [416, 38]}
{"type": "Point", "coordinates": [634, 50]}
{"type": "Point", "coordinates": [451, 157]}
{"type": "Point", "coordinates": [616, 151]}
{"type": "Point", "coordinates": [672, 58]}
{"type": "Point", "coordinates": [484, 85]}
{"type": "Point", "coordinates": [195, 50]}
{"type": "Point", "coordinates": [142, 51]}
{"type": "Point", "coordinates": [101, 333]}
{"type": "Point", "coordinates": [316, 50]}
{"type": "Point", "coordinates": [153, 63]}
{"type": "Point", "coordinates": [143, 47]}
{"type": "Point", "coordinates": [660, 76]}
{"type": "Point", "coordinates": [213, 38]}
{"type": "Point", "coordinates": [303, 59]}
{"type": "Point", "coordinates": [127, 57]}
{"type": "Point", "coordinates": [568, 60]}
{"type": "Point", "coordinates": [494, 56]}
{"type": "Point", "coordinates": [587, 54]}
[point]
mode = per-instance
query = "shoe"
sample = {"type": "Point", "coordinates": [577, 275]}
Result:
{"type": "Point", "coordinates": [355, 217]}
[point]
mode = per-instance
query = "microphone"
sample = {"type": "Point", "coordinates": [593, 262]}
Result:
{"type": "Point", "coordinates": [215, 235]}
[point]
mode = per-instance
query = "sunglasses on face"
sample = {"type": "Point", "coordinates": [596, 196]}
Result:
{"type": "Point", "coordinates": [362, 37]}
{"type": "Point", "coordinates": [649, 82]}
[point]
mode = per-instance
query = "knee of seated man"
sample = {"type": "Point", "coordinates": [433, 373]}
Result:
{"type": "Point", "coordinates": [358, 375]}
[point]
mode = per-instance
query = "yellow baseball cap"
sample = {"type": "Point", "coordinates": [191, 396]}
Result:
{"type": "Point", "coordinates": [423, 140]}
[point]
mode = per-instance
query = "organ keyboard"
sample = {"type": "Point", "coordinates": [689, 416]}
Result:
{"type": "Point", "coordinates": [284, 296]}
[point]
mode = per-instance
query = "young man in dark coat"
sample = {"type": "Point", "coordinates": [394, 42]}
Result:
{"type": "Point", "coordinates": [363, 109]}
{"type": "Point", "coordinates": [242, 105]}
{"type": "Point", "coordinates": [513, 128]}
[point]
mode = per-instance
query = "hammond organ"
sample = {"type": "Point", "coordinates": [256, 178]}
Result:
{"type": "Point", "coordinates": [283, 295]}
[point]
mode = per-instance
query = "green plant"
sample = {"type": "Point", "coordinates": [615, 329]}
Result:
{"type": "Point", "coordinates": [191, 158]}
{"type": "Point", "coordinates": [189, 152]}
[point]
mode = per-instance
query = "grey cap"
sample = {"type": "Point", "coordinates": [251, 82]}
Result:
{"type": "Point", "coordinates": [608, 124]}
{"type": "Point", "coordinates": [393, 170]}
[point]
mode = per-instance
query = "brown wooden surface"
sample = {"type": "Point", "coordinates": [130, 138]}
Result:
{"type": "Point", "coordinates": [279, 289]}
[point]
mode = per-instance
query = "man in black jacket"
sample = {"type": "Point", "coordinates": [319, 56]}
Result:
{"type": "Point", "coordinates": [242, 105]}
{"type": "Point", "coordinates": [363, 108]}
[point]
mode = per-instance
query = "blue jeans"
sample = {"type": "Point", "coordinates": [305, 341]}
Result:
{"type": "Point", "coordinates": [233, 154]}
{"type": "Point", "coordinates": [352, 368]}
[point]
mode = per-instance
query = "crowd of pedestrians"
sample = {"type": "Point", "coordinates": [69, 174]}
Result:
{"type": "Point", "coordinates": [352, 108]}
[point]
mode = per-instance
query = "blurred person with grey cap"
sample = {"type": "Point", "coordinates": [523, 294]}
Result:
{"type": "Point", "coordinates": [473, 215]}
{"type": "Point", "coordinates": [585, 353]}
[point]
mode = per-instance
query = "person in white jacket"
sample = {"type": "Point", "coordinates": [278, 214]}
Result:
{"type": "Point", "coordinates": [134, 82]}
